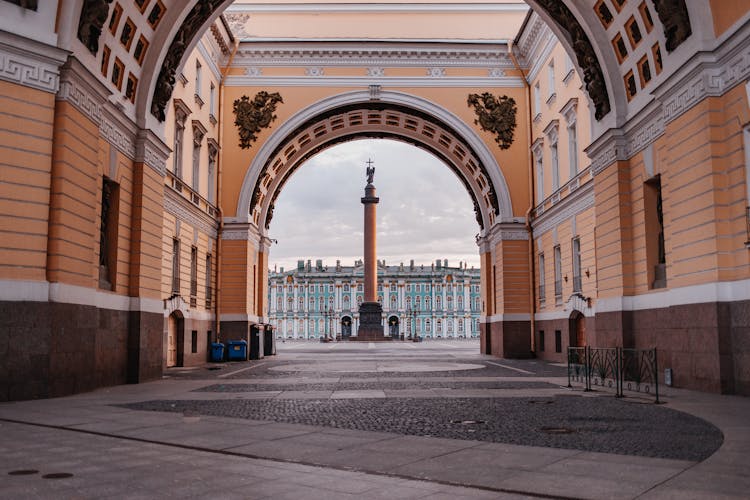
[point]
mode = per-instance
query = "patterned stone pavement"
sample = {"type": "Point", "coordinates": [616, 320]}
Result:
{"type": "Point", "coordinates": [396, 420]}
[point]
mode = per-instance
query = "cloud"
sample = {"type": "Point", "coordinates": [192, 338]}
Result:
{"type": "Point", "coordinates": [424, 212]}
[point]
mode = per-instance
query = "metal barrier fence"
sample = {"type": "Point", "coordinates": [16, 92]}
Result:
{"type": "Point", "coordinates": [617, 368]}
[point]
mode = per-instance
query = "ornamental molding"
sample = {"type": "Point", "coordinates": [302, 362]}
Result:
{"type": "Point", "coordinates": [185, 211]}
{"type": "Point", "coordinates": [375, 71]}
{"type": "Point", "coordinates": [580, 200]}
{"type": "Point", "coordinates": [577, 302]}
{"type": "Point", "coordinates": [505, 231]}
{"type": "Point", "coordinates": [315, 71]}
{"type": "Point", "coordinates": [366, 81]}
{"type": "Point", "coordinates": [436, 72]}
{"type": "Point", "coordinates": [152, 151]}
{"type": "Point", "coordinates": [117, 135]}
{"type": "Point", "coordinates": [376, 55]}
{"type": "Point", "coordinates": [30, 63]}
{"type": "Point", "coordinates": [241, 232]}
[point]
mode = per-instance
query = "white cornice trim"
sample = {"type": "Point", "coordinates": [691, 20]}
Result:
{"type": "Point", "coordinates": [184, 210]}
{"type": "Point", "coordinates": [44, 291]}
{"type": "Point", "coordinates": [366, 81]}
{"type": "Point", "coordinates": [581, 199]}
{"type": "Point", "coordinates": [30, 63]}
{"type": "Point", "coordinates": [375, 7]}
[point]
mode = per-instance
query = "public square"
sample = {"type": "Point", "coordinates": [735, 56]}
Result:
{"type": "Point", "coordinates": [374, 420]}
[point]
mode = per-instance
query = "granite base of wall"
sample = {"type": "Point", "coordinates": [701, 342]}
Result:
{"type": "Point", "coordinates": [205, 334]}
{"type": "Point", "coordinates": [50, 350]}
{"type": "Point", "coordinates": [707, 345]}
{"type": "Point", "coordinates": [508, 339]}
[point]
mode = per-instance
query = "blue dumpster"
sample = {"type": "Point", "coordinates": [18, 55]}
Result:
{"type": "Point", "coordinates": [237, 350]}
{"type": "Point", "coordinates": [217, 352]}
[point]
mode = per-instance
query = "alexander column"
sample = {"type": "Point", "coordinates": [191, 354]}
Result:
{"type": "Point", "coordinates": [370, 311]}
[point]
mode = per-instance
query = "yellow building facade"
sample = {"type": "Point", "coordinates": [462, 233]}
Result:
{"type": "Point", "coordinates": [137, 192]}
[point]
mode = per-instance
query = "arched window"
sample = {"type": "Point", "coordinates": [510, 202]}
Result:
{"type": "Point", "coordinates": [312, 303]}
{"type": "Point", "coordinates": [427, 303]}
{"type": "Point", "coordinates": [289, 303]}
{"type": "Point", "coordinates": [393, 302]}
{"type": "Point", "coordinates": [301, 303]}
{"type": "Point", "coordinates": [360, 287]}
{"type": "Point", "coordinates": [346, 302]}
{"type": "Point", "coordinates": [320, 326]}
{"type": "Point", "coordinates": [380, 299]}
{"type": "Point", "coordinates": [460, 303]}
{"type": "Point", "coordinates": [393, 288]}
{"type": "Point", "coordinates": [279, 303]}
{"type": "Point", "coordinates": [418, 301]}
{"type": "Point", "coordinates": [439, 326]}
{"type": "Point", "coordinates": [427, 325]}
{"type": "Point", "coordinates": [330, 302]}
{"type": "Point", "coordinates": [449, 302]}
{"type": "Point", "coordinates": [438, 302]}
{"type": "Point", "coordinates": [460, 326]}
{"type": "Point", "coordinates": [359, 300]}
{"type": "Point", "coordinates": [408, 302]}
{"type": "Point", "coordinates": [450, 325]}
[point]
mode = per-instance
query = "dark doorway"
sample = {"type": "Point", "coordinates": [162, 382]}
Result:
{"type": "Point", "coordinates": [577, 329]}
{"type": "Point", "coordinates": [346, 327]}
{"type": "Point", "coordinates": [393, 326]}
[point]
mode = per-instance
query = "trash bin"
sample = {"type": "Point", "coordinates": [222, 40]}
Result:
{"type": "Point", "coordinates": [237, 350]}
{"type": "Point", "coordinates": [256, 348]}
{"type": "Point", "coordinates": [269, 343]}
{"type": "Point", "coordinates": [217, 352]}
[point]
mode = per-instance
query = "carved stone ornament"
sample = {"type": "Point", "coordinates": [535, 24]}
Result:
{"type": "Point", "coordinates": [478, 215]}
{"type": "Point", "coordinates": [198, 15]}
{"type": "Point", "coordinates": [585, 55]}
{"type": "Point", "coordinates": [496, 115]}
{"type": "Point", "coordinates": [673, 15]}
{"type": "Point", "coordinates": [94, 14]}
{"type": "Point", "coordinates": [251, 116]}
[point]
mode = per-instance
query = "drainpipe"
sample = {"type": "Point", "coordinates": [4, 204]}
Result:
{"type": "Point", "coordinates": [532, 261]}
{"type": "Point", "coordinates": [220, 214]}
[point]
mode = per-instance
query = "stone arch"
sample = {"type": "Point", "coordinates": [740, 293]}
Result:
{"type": "Point", "coordinates": [356, 114]}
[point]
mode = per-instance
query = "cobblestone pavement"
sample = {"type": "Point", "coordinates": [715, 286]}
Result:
{"type": "Point", "coordinates": [598, 424]}
{"type": "Point", "coordinates": [367, 421]}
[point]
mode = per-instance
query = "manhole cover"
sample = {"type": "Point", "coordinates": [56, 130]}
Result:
{"type": "Point", "coordinates": [557, 430]}
{"type": "Point", "coordinates": [468, 422]}
{"type": "Point", "coordinates": [57, 475]}
{"type": "Point", "coordinates": [23, 472]}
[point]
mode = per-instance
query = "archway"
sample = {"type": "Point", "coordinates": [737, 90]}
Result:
{"type": "Point", "coordinates": [346, 327]}
{"type": "Point", "coordinates": [175, 340]}
{"type": "Point", "coordinates": [393, 326]}
{"type": "Point", "coordinates": [577, 330]}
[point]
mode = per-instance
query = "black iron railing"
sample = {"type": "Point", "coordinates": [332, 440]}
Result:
{"type": "Point", "coordinates": [617, 368]}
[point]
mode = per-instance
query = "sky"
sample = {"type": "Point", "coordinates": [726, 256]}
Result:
{"type": "Point", "coordinates": [425, 213]}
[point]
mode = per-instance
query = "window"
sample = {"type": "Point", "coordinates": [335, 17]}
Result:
{"type": "Point", "coordinates": [140, 50]}
{"type": "Point", "coordinates": [130, 87]}
{"type": "Point", "coordinates": [114, 20]}
{"type": "Point", "coordinates": [108, 228]}
{"type": "Point", "coordinates": [438, 302]}
{"type": "Point", "coordinates": [449, 302]}
{"type": "Point", "coordinates": [360, 287]}
{"type": "Point", "coordinates": [175, 266]}
{"type": "Point", "coordinates": [576, 245]}
{"type": "Point", "coordinates": [179, 132]}
{"type": "Point", "coordinates": [541, 340]}
{"type": "Point", "coordinates": [654, 228]}
{"type": "Point", "coordinates": [301, 304]}
{"type": "Point", "coordinates": [393, 302]}
{"type": "Point", "coordinates": [209, 288]}
{"type": "Point", "coordinates": [194, 341]}
{"type": "Point", "coordinates": [193, 276]}
{"type": "Point", "coordinates": [551, 80]}
{"type": "Point", "coordinates": [198, 76]}
{"type": "Point", "coordinates": [157, 12]}
{"type": "Point", "coordinates": [105, 60]}
{"type": "Point", "coordinates": [118, 71]}
{"type": "Point", "coordinates": [573, 149]}
{"type": "Point", "coordinates": [346, 288]}
{"type": "Point", "coordinates": [558, 272]}
{"type": "Point", "coordinates": [128, 33]}
{"type": "Point", "coordinates": [198, 132]}
{"type": "Point", "coordinates": [460, 326]}
{"type": "Point", "coordinates": [555, 167]}
{"type": "Point", "coordinates": [539, 176]}
{"type": "Point", "coordinates": [537, 99]}
{"type": "Point", "coordinates": [439, 326]}
{"type": "Point", "coordinates": [558, 341]}
{"type": "Point", "coordinates": [213, 152]}
{"type": "Point", "coordinates": [279, 303]}
{"type": "Point", "coordinates": [211, 101]}
{"type": "Point", "coordinates": [427, 303]}
{"type": "Point", "coordinates": [427, 325]}
{"type": "Point", "coordinates": [542, 287]}
{"type": "Point", "coordinates": [311, 306]}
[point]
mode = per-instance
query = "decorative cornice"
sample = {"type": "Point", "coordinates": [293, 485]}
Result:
{"type": "Point", "coordinates": [152, 151]}
{"type": "Point", "coordinates": [581, 199]}
{"type": "Point", "coordinates": [241, 232]}
{"type": "Point", "coordinates": [184, 210]}
{"type": "Point", "coordinates": [366, 81]}
{"type": "Point", "coordinates": [30, 63]}
{"type": "Point", "coordinates": [330, 54]}
{"type": "Point", "coordinates": [507, 231]}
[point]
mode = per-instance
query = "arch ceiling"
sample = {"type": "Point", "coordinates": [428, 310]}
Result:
{"type": "Point", "coordinates": [391, 115]}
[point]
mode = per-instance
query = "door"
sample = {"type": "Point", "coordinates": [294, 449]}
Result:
{"type": "Point", "coordinates": [581, 331]}
{"type": "Point", "coordinates": [346, 327]}
{"type": "Point", "coordinates": [171, 341]}
{"type": "Point", "coordinates": [393, 326]}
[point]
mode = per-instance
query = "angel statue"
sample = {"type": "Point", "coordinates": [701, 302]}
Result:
{"type": "Point", "coordinates": [370, 171]}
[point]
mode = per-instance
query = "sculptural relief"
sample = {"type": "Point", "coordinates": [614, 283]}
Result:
{"type": "Point", "coordinates": [674, 16]}
{"type": "Point", "coordinates": [252, 116]}
{"type": "Point", "coordinates": [93, 16]}
{"type": "Point", "coordinates": [496, 115]}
